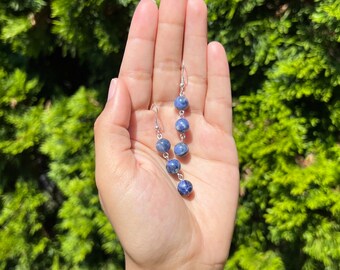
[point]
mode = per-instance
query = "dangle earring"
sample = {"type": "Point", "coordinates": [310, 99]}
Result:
{"type": "Point", "coordinates": [173, 166]}
{"type": "Point", "coordinates": [182, 125]}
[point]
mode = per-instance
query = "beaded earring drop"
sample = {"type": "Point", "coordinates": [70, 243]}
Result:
{"type": "Point", "coordinates": [182, 125]}
{"type": "Point", "coordinates": [173, 166]}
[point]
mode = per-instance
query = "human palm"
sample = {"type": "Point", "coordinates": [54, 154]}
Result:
{"type": "Point", "coordinates": [157, 227]}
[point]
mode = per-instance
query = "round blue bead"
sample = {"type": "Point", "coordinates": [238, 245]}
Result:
{"type": "Point", "coordinates": [182, 125]}
{"type": "Point", "coordinates": [184, 187]}
{"type": "Point", "coordinates": [163, 145]}
{"type": "Point", "coordinates": [181, 103]}
{"type": "Point", "coordinates": [181, 149]}
{"type": "Point", "coordinates": [173, 166]}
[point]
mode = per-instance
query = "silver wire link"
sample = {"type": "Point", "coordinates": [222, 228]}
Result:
{"type": "Point", "coordinates": [180, 176]}
{"type": "Point", "coordinates": [166, 155]}
{"type": "Point", "coordinates": [182, 136]}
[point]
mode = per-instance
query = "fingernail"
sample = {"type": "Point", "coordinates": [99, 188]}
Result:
{"type": "Point", "coordinates": [112, 88]}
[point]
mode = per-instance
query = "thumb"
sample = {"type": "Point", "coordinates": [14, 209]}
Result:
{"type": "Point", "coordinates": [117, 111]}
{"type": "Point", "coordinates": [112, 139]}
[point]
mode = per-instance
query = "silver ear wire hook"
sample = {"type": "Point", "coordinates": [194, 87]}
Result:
{"type": "Point", "coordinates": [184, 79]}
{"type": "Point", "coordinates": [158, 128]}
{"type": "Point", "coordinates": [154, 108]}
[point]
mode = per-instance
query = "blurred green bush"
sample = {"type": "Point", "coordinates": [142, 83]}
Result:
{"type": "Point", "coordinates": [56, 60]}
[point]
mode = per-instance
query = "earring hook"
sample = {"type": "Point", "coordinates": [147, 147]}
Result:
{"type": "Point", "coordinates": [154, 108]}
{"type": "Point", "coordinates": [184, 77]}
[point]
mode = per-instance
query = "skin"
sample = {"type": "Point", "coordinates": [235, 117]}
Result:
{"type": "Point", "coordinates": [158, 228]}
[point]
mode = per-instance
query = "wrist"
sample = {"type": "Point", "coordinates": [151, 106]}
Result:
{"type": "Point", "coordinates": [191, 265]}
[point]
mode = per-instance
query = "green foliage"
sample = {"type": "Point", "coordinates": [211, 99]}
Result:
{"type": "Point", "coordinates": [15, 89]}
{"type": "Point", "coordinates": [50, 216]}
{"type": "Point", "coordinates": [56, 60]}
{"type": "Point", "coordinates": [67, 128]}
{"type": "Point", "coordinates": [22, 237]}
{"type": "Point", "coordinates": [286, 85]}
{"type": "Point", "coordinates": [253, 259]}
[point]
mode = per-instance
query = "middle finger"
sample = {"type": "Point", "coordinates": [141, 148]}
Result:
{"type": "Point", "coordinates": [168, 51]}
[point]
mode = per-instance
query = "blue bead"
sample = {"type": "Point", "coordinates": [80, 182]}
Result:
{"type": "Point", "coordinates": [182, 125]}
{"type": "Point", "coordinates": [181, 149]}
{"type": "Point", "coordinates": [184, 187]}
{"type": "Point", "coordinates": [181, 103]}
{"type": "Point", "coordinates": [173, 166]}
{"type": "Point", "coordinates": [163, 145]}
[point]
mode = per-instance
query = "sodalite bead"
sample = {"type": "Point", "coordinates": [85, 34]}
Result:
{"type": "Point", "coordinates": [182, 125]}
{"type": "Point", "coordinates": [173, 166]}
{"type": "Point", "coordinates": [184, 187]}
{"type": "Point", "coordinates": [181, 103]}
{"type": "Point", "coordinates": [181, 149]}
{"type": "Point", "coordinates": [163, 145]}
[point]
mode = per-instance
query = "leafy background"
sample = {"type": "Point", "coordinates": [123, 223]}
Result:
{"type": "Point", "coordinates": [56, 59]}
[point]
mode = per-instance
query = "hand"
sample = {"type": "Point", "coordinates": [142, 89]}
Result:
{"type": "Point", "coordinates": [158, 228]}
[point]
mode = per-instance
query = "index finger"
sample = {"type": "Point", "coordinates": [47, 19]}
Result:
{"type": "Point", "coordinates": [137, 65]}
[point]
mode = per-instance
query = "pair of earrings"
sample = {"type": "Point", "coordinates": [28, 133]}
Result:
{"type": "Point", "coordinates": [173, 166]}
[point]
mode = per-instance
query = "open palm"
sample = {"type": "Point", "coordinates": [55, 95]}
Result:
{"type": "Point", "coordinates": [157, 227]}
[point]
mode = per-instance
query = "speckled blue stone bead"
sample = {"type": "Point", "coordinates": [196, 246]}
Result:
{"type": "Point", "coordinates": [181, 149]}
{"type": "Point", "coordinates": [163, 145]}
{"type": "Point", "coordinates": [182, 125]}
{"type": "Point", "coordinates": [173, 166]}
{"type": "Point", "coordinates": [184, 187]}
{"type": "Point", "coordinates": [181, 103]}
